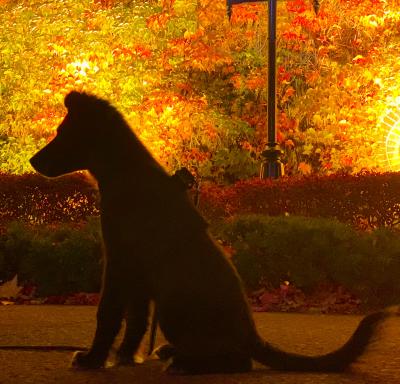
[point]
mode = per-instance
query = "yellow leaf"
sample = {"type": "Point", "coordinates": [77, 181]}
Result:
{"type": "Point", "coordinates": [307, 149]}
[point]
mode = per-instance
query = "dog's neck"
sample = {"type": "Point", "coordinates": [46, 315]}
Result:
{"type": "Point", "coordinates": [128, 179]}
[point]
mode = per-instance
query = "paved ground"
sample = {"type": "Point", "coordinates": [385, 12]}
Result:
{"type": "Point", "coordinates": [310, 334]}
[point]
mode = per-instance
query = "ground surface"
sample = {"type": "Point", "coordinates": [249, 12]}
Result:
{"type": "Point", "coordinates": [310, 334]}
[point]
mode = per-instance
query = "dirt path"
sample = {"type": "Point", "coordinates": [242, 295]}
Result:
{"type": "Point", "coordinates": [310, 334]}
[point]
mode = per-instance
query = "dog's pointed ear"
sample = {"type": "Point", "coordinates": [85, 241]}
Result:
{"type": "Point", "coordinates": [72, 100]}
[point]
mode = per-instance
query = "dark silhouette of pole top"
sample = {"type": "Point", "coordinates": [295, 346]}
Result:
{"type": "Point", "coordinates": [229, 4]}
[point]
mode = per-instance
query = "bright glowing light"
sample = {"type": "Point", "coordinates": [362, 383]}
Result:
{"type": "Point", "coordinates": [391, 121]}
{"type": "Point", "coordinates": [80, 68]}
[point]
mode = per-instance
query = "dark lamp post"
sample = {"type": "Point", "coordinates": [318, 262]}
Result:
{"type": "Point", "coordinates": [271, 166]}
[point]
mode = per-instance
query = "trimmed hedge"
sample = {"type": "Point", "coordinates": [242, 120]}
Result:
{"type": "Point", "coordinates": [64, 259]}
{"type": "Point", "coordinates": [36, 199]}
{"type": "Point", "coordinates": [365, 201]}
{"type": "Point", "coordinates": [57, 259]}
{"type": "Point", "coordinates": [315, 252]}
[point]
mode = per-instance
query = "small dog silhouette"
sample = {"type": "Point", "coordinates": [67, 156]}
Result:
{"type": "Point", "coordinates": [158, 249]}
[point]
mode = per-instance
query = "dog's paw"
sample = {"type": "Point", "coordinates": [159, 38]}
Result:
{"type": "Point", "coordinates": [128, 360]}
{"type": "Point", "coordinates": [85, 360]}
{"type": "Point", "coordinates": [165, 352]}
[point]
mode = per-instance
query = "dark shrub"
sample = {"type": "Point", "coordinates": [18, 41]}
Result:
{"type": "Point", "coordinates": [57, 259]}
{"type": "Point", "coordinates": [312, 252]}
{"type": "Point", "coordinates": [308, 252]}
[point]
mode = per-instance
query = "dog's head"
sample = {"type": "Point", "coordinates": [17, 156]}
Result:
{"type": "Point", "coordinates": [73, 147]}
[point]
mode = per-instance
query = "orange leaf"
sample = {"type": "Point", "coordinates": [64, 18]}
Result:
{"type": "Point", "coordinates": [304, 168]}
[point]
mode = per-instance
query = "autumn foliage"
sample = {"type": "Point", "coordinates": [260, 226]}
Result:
{"type": "Point", "coordinates": [193, 85]}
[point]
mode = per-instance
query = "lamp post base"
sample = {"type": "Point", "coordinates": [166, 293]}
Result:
{"type": "Point", "coordinates": [272, 167]}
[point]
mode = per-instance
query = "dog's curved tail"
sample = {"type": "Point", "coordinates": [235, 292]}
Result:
{"type": "Point", "coordinates": [335, 361]}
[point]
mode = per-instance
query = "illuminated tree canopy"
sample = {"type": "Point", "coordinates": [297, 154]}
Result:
{"type": "Point", "coordinates": [193, 85]}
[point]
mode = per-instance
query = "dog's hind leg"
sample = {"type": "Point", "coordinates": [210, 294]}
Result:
{"type": "Point", "coordinates": [136, 326]}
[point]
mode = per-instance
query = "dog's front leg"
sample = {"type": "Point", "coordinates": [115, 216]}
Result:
{"type": "Point", "coordinates": [109, 318]}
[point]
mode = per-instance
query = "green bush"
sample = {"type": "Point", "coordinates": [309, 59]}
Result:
{"type": "Point", "coordinates": [312, 252]}
{"type": "Point", "coordinates": [66, 258]}
{"type": "Point", "coordinates": [57, 259]}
